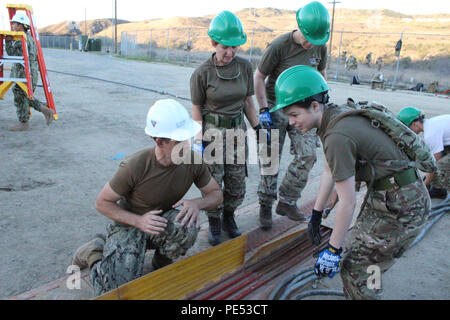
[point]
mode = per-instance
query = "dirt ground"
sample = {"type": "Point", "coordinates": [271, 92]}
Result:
{"type": "Point", "coordinates": [50, 176]}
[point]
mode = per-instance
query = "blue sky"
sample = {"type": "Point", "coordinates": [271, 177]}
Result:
{"type": "Point", "coordinates": [53, 11]}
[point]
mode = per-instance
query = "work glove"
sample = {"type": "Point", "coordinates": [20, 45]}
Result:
{"type": "Point", "coordinates": [257, 129]}
{"type": "Point", "coordinates": [198, 146]}
{"type": "Point", "coordinates": [314, 227]}
{"type": "Point", "coordinates": [329, 262]}
{"type": "Point", "coordinates": [266, 119]}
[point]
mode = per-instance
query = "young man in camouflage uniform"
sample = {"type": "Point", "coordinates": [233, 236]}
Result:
{"type": "Point", "coordinates": [142, 198]}
{"type": "Point", "coordinates": [304, 46]}
{"type": "Point", "coordinates": [398, 204]}
{"type": "Point", "coordinates": [21, 22]}
{"type": "Point", "coordinates": [436, 134]}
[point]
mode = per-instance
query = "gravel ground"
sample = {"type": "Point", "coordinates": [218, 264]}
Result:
{"type": "Point", "coordinates": [50, 176]}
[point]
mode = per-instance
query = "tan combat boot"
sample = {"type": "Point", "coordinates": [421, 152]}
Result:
{"type": "Point", "coordinates": [48, 113]}
{"type": "Point", "coordinates": [291, 211]}
{"type": "Point", "coordinates": [89, 253]}
{"type": "Point", "coordinates": [22, 126]}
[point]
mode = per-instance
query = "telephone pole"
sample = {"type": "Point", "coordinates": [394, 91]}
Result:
{"type": "Point", "coordinates": [331, 31]}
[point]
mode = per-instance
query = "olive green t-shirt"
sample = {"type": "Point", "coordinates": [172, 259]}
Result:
{"type": "Point", "coordinates": [353, 138]}
{"type": "Point", "coordinates": [214, 94]}
{"type": "Point", "coordinates": [146, 185]}
{"type": "Point", "coordinates": [284, 53]}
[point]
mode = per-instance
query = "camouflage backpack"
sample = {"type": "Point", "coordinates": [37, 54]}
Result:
{"type": "Point", "coordinates": [413, 145]}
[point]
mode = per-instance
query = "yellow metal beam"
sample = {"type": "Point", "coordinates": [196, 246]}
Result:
{"type": "Point", "coordinates": [20, 6]}
{"type": "Point", "coordinates": [179, 279]}
{"type": "Point", "coordinates": [17, 35]}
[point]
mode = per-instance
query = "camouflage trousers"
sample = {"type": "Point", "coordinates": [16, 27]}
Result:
{"type": "Point", "coordinates": [442, 181]}
{"type": "Point", "coordinates": [21, 101]}
{"type": "Point", "coordinates": [227, 164]}
{"type": "Point", "coordinates": [385, 229]}
{"type": "Point", "coordinates": [124, 251]}
{"type": "Point", "coordinates": [303, 148]}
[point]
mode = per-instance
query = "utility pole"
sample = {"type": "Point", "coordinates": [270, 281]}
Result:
{"type": "Point", "coordinates": [115, 27]}
{"type": "Point", "coordinates": [331, 31]}
{"type": "Point", "coordinates": [398, 60]}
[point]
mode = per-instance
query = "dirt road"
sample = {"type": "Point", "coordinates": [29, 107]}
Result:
{"type": "Point", "coordinates": [50, 176]}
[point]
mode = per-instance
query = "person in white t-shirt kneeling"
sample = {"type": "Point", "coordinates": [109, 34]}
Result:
{"type": "Point", "coordinates": [436, 132]}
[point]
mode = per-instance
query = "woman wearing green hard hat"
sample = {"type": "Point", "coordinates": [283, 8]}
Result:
{"type": "Point", "coordinates": [221, 94]}
{"type": "Point", "coordinates": [305, 45]}
{"type": "Point", "coordinates": [397, 203]}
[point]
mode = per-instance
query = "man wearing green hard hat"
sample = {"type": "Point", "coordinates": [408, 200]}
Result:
{"type": "Point", "coordinates": [303, 46]}
{"type": "Point", "coordinates": [436, 134]}
{"type": "Point", "coordinates": [397, 203]}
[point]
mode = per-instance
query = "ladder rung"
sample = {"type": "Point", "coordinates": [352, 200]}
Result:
{"type": "Point", "coordinates": [13, 80]}
{"type": "Point", "coordinates": [12, 60]}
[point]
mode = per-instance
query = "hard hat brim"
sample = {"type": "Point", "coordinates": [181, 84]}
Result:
{"type": "Point", "coordinates": [233, 42]}
{"type": "Point", "coordinates": [186, 132]}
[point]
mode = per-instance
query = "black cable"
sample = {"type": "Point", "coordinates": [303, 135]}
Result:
{"type": "Point", "coordinates": [164, 93]}
{"type": "Point", "coordinates": [319, 293]}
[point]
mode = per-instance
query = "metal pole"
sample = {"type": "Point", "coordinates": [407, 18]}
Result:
{"type": "Point", "coordinates": [151, 36]}
{"type": "Point", "coordinates": [331, 33]}
{"type": "Point", "coordinates": [167, 45]}
{"type": "Point", "coordinates": [251, 45]}
{"type": "Point", "coordinates": [115, 27]}
{"type": "Point", "coordinates": [398, 63]}
{"type": "Point", "coordinates": [189, 45]}
{"type": "Point", "coordinates": [339, 57]}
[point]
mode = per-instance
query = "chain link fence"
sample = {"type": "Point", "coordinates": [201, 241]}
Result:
{"type": "Point", "coordinates": [423, 63]}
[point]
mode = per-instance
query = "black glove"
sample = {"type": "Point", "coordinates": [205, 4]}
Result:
{"type": "Point", "coordinates": [314, 227]}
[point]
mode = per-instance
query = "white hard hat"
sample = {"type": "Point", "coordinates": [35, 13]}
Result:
{"type": "Point", "coordinates": [168, 118]}
{"type": "Point", "coordinates": [21, 17]}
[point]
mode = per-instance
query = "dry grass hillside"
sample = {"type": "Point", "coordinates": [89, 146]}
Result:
{"type": "Point", "coordinates": [93, 27]}
{"type": "Point", "coordinates": [267, 23]}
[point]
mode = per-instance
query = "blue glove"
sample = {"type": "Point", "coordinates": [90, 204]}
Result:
{"type": "Point", "coordinates": [328, 262]}
{"type": "Point", "coordinates": [198, 147]}
{"type": "Point", "coordinates": [266, 119]}
{"type": "Point", "coordinates": [267, 132]}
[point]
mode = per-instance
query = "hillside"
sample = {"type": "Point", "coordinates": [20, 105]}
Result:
{"type": "Point", "coordinates": [361, 28]}
{"type": "Point", "coordinates": [93, 27]}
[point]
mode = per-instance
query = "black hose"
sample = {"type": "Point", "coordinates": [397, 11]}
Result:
{"type": "Point", "coordinates": [319, 293]}
{"type": "Point", "coordinates": [426, 229]}
{"type": "Point", "coordinates": [285, 282]}
{"type": "Point", "coordinates": [297, 285]}
{"type": "Point", "coordinates": [165, 93]}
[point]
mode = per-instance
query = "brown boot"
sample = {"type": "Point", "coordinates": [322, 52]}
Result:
{"type": "Point", "coordinates": [89, 253]}
{"type": "Point", "coordinates": [48, 113]}
{"type": "Point", "coordinates": [293, 213]}
{"type": "Point", "coordinates": [22, 126]}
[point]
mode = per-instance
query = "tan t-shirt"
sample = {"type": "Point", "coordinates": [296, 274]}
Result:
{"type": "Point", "coordinates": [284, 53]}
{"type": "Point", "coordinates": [146, 185]}
{"type": "Point", "coordinates": [353, 138]}
{"type": "Point", "coordinates": [217, 95]}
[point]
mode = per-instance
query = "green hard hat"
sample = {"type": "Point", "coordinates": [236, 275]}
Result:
{"type": "Point", "coordinates": [227, 29]}
{"type": "Point", "coordinates": [314, 22]}
{"type": "Point", "coordinates": [297, 84]}
{"type": "Point", "coordinates": [409, 114]}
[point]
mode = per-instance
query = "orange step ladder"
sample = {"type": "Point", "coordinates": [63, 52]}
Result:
{"type": "Point", "coordinates": [23, 83]}
{"type": "Point", "coordinates": [12, 8]}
